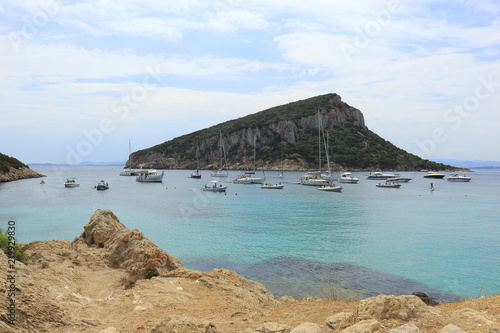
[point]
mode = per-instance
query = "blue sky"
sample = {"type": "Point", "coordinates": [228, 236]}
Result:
{"type": "Point", "coordinates": [79, 79]}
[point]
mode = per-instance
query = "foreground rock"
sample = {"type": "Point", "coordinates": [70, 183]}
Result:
{"type": "Point", "coordinates": [112, 279]}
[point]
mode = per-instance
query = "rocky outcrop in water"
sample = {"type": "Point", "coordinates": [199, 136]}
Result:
{"type": "Point", "coordinates": [17, 174]}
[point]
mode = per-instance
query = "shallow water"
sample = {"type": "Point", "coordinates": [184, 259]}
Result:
{"type": "Point", "coordinates": [296, 240]}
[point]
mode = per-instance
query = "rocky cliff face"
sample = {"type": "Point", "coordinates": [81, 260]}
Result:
{"type": "Point", "coordinates": [239, 143]}
{"type": "Point", "coordinates": [17, 174]}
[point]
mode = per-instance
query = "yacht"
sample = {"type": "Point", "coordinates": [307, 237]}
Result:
{"type": "Point", "coordinates": [149, 176]}
{"type": "Point", "coordinates": [458, 178]}
{"type": "Point", "coordinates": [398, 179]}
{"type": "Point", "coordinates": [434, 174]}
{"type": "Point", "coordinates": [379, 175]}
{"type": "Point", "coordinates": [347, 177]}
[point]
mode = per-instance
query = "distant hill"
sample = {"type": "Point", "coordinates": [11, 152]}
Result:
{"type": "Point", "coordinates": [291, 131]}
{"type": "Point", "coordinates": [474, 164]}
{"type": "Point", "coordinates": [12, 169]}
{"type": "Point", "coordinates": [84, 163]}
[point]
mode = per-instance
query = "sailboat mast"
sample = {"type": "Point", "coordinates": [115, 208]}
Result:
{"type": "Point", "coordinates": [319, 140]}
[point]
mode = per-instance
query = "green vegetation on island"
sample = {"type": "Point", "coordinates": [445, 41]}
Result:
{"type": "Point", "coordinates": [7, 162]}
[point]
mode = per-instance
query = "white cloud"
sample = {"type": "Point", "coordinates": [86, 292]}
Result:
{"type": "Point", "coordinates": [403, 64]}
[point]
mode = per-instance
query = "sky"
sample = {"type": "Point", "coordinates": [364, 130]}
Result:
{"type": "Point", "coordinates": [80, 79]}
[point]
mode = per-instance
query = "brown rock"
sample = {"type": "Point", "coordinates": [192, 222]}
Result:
{"type": "Point", "coordinates": [364, 326]}
{"type": "Point", "coordinates": [273, 328]}
{"type": "Point", "coordinates": [125, 248]}
{"type": "Point", "coordinates": [403, 308]}
{"type": "Point", "coordinates": [450, 328]}
{"type": "Point", "coordinates": [340, 320]}
{"type": "Point", "coordinates": [184, 324]}
{"type": "Point", "coordinates": [307, 328]}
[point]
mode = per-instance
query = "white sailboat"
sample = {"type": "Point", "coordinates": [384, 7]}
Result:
{"type": "Point", "coordinates": [128, 171]}
{"type": "Point", "coordinates": [281, 174]}
{"type": "Point", "coordinates": [315, 178]}
{"type": "Point", "coordinates": [222, 154]}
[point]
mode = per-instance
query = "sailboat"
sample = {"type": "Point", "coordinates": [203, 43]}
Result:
{"type": "Point", "coordinates": [281, 174]}
{"type": "Point", "coordinates": [197, 173]}
{"type": "Point", "coordinates": [128, 171]}
{"type": "Point", "coordinates": [222, 154]}
{"type": "Point", "coordinates": [314, 178]}
{"type": "Point", "coordinates": [249, 176]}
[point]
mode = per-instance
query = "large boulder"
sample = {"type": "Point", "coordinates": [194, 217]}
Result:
{"type": "Point", "coordinates": [124, 248]}
{"type": "Point", "coordinates": [184, 324]}
{"type": "Point", "coordinates": [307, 328]}
{"type": "Point", "coordinates": [385, 307]}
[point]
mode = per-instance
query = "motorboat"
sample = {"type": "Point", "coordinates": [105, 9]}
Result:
{"type": "Point", "coordinates": [196, 175]}
{"type": "Point", "coordinates": [459, 178]}
{"type": "Point", "coordinates": [434, 174]}
{"type": "Point", "coordinates": [128, 172]}
{"type": "Point", "coordinates": [215, 187]}
{"type": "Point", "coordinates": [149, 176]}
{"type": "Point", "coordinates": [278, 186]}
{"type": "Point", "coordinates": [389, 185]}
{"type": "Point", "coordinates": [101, 186]}
{"type": "Point", "coordinates": [379, 175]}
{"type": "Point", "coordinates": [330, 188]}
{"type": "Point", "coordinates": [348, 178]}
{"type": "Point", "coordinates": [398, 179]}
{"type": "Point", "coordinates": [71, 182]}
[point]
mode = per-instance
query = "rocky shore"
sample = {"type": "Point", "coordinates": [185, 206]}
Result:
{"type": "Point", "coordinates": [17, 174]}
{"type": "Point", "coordinates": [112, 279]}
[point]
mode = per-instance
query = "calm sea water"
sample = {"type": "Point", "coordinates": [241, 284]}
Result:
{"type": "Point", "coordinates": [297, 241]}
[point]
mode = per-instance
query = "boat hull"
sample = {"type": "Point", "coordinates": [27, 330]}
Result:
{"type": "Point", "coordinates": [330, 188]}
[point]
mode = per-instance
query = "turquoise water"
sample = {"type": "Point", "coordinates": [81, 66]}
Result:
{"type": "Point", "coordinates": [371, 239]}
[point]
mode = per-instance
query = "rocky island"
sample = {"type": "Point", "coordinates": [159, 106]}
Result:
{"type": "Point", "coordinates": [287, 137]}
{"type": "Point", "coordinates": [112, 279]}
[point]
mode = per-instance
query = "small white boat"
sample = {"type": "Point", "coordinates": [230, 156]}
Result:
{"type": "Point", "coordinates": [389, 185]}
{"type": "Point", "coordinates": [101, 186]}
{"type": "Point", "coordinates": [348, 178]}
{"type": "Point", "coordinates": [71, 182]}
{"type": "Point", "coordinates": [398, 179]}
{"type": "Point", "coordinates": [215, 187]}
{"type": "Point", "coordinates": [330, 188]}
{"type": "Point", "coordinates": [278, 186]}
{"type": "Point", "coordinates": [379, 175]}
{"type": "Point", "coordinates": [434, 174]}
{"type": "Point", "coordinates": [219, 173]}
{"type": "Point", "coordinates": [459, 178]}
{"type": "Point", "coordinates": [149, 176]}
{"type": "Point", "coordinates": [196, 175]}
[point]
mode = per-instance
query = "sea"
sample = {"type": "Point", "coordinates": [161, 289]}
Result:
{"type": "Point", "coordinates": [297, 241]}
